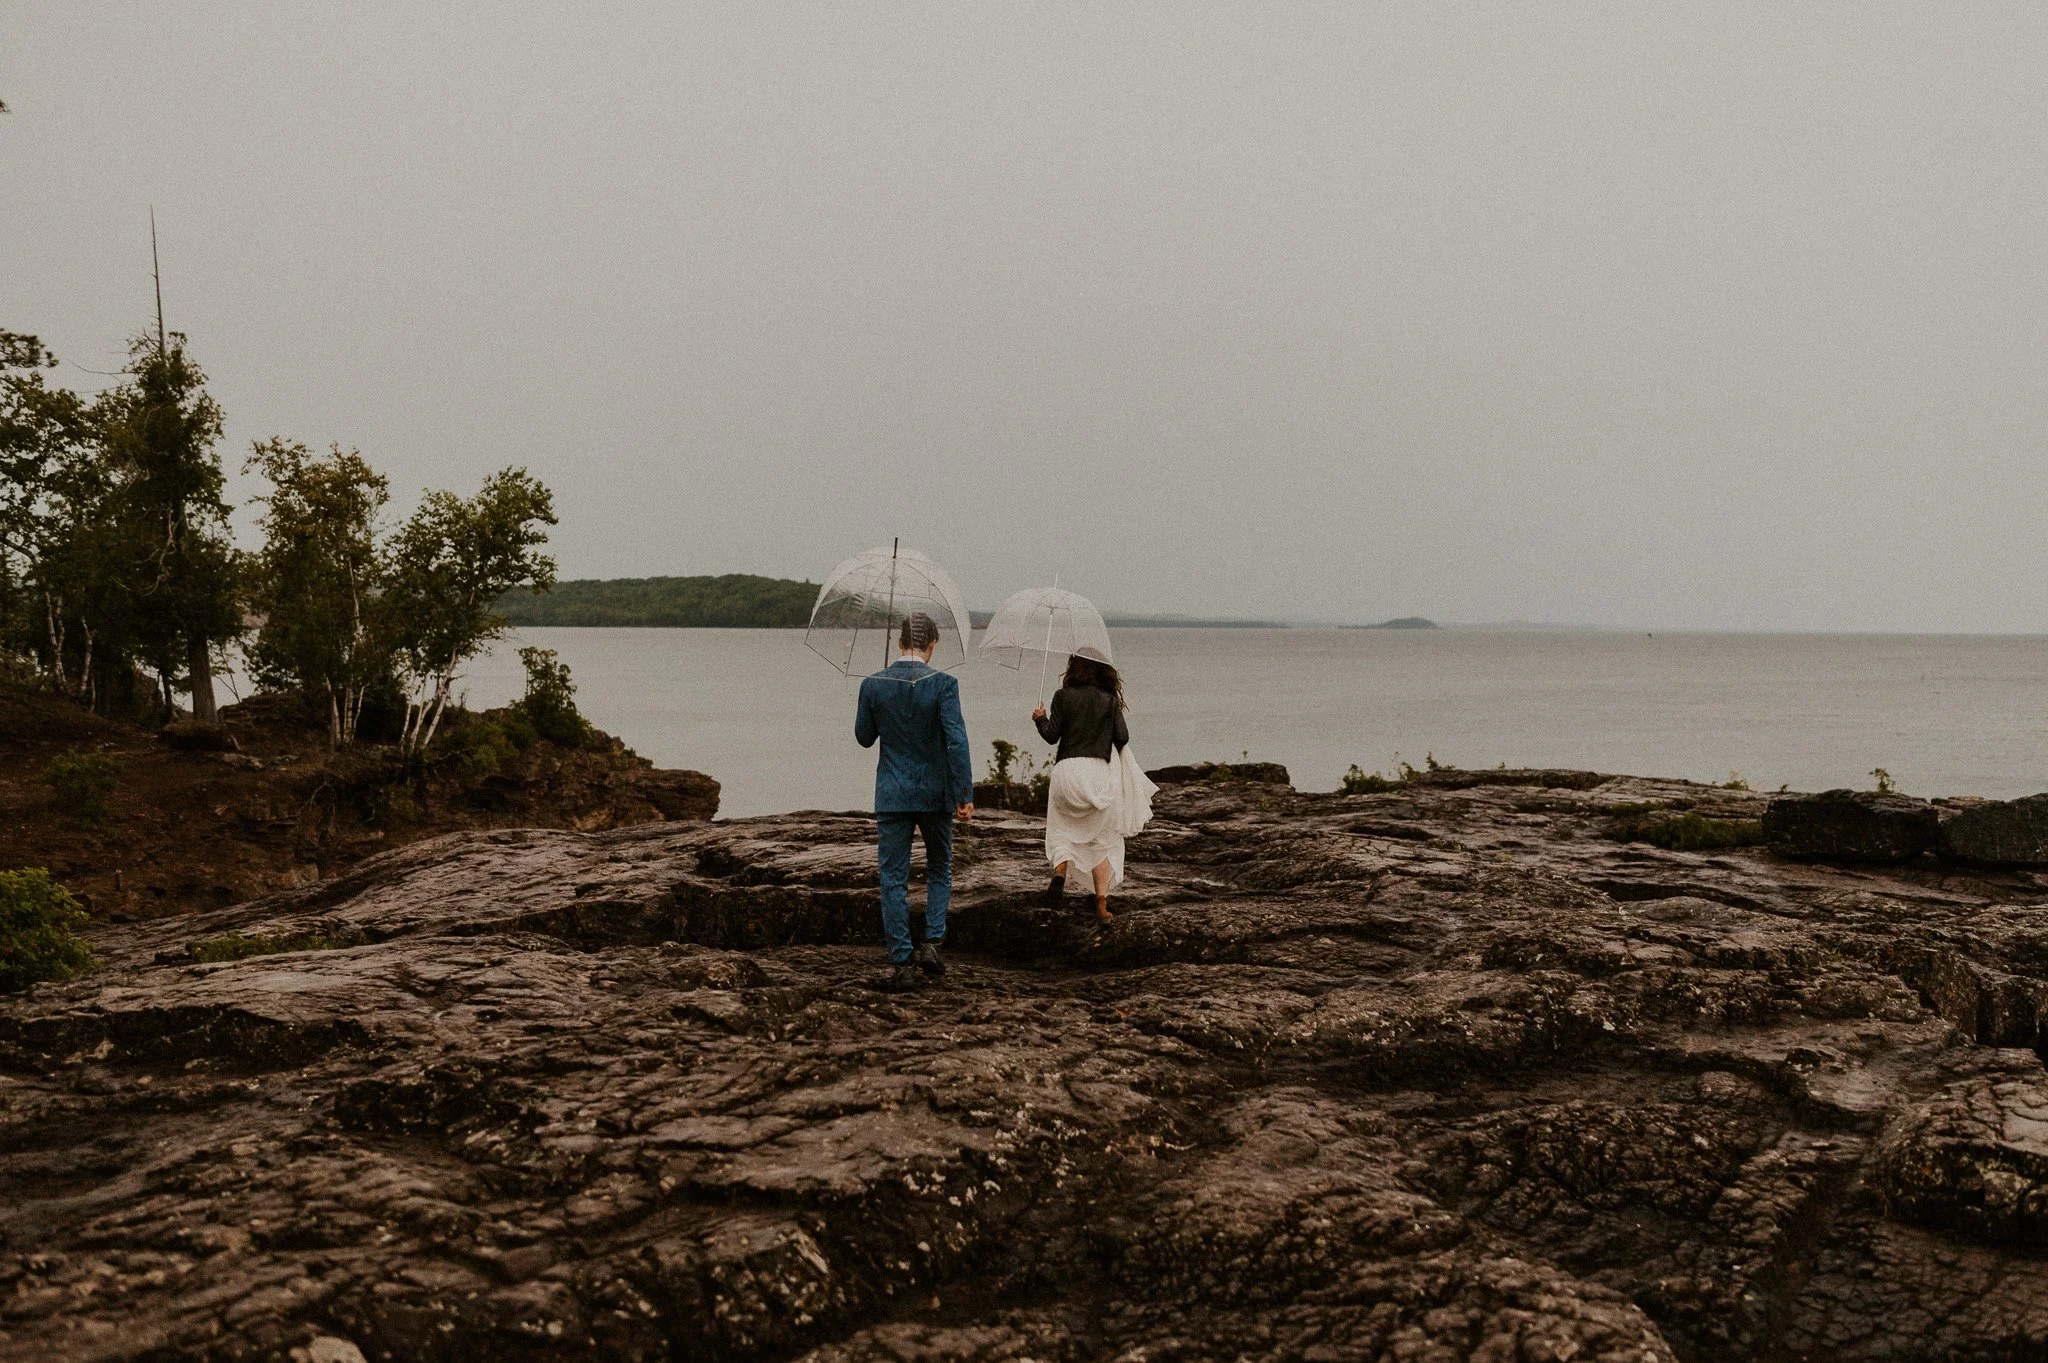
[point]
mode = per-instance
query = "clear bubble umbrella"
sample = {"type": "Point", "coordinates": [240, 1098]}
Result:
{"type": "Point", "coordinates": [865, 601]}
{"type": "Point", "coordinates": [1039, 624]}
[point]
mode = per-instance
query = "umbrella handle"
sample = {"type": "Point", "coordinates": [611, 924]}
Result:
{"type": "Point", "coordinates": [1045, 654]}
{"type": "Point", "coordinates": [889, 618]}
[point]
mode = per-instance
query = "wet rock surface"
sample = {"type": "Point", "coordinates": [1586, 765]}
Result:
{"type": "Point", "coordinates": [1439, 1074]}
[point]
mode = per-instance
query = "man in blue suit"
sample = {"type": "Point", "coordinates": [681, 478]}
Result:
{"type": "Point", "coordinates": [923, 781]}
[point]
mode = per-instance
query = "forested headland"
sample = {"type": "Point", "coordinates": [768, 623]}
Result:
{"type": "Point", "coordinates": [122, 586]}
{"type": "Point", "coordinates": [129, 786]}
{"type": "Point", "coordinates": [729, 601]}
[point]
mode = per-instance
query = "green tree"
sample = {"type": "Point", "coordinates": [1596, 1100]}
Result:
{"type": "Point", "coordinates": [159, 432]}
{"type": "Point", "coordinates": [318, 577]}
{"type": "Point", "coordinates": [33, 434]}
{"type": "Point", "coordinates": [60, 597]}
{"type": "Point", "coordinates": [550, 700]}
{"type": "Point", "coordinates": [448, 565]}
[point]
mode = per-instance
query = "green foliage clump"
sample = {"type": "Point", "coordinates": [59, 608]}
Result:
{"type": "Point", "coordinates": [317, 581]}
{"type": "Point", "coordinates": [1884, 781]}
{"type": "Point", "coordinates": [37, 941]}
{"type": "Point", "coordinates": [549, 704]}
{"type": "Point", "coordinates": [478, 747]}
{"type": "Point", "coordinates": [1358, 781]}
{"type": "Point", "coordinates": [82, 782]}
{"type": "Point", "coordinates": [1004, 755]}
{"type": "Point", "coordinates": [394, 804]}
{"type": "Point", "coordinates": [235, 946]}
{"type": "Point", "coordinates": [1735, 782]}
{"type": "Point", "coordinates": [731, 601]}
{"type": "Point", "coordinates": [1695, 833]}
{"type": "Point", "coordinates": [446, 569]}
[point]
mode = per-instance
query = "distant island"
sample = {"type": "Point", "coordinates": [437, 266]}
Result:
{"type": "Point", "coordinates": [730, 601]}
{"type": "Point", "coordinates": [1185, 622]}
{"type": "Point", "coordinates": [1405, 622]}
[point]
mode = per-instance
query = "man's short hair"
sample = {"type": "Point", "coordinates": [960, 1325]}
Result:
{"type": "Point", "coordinates": [919, 632]}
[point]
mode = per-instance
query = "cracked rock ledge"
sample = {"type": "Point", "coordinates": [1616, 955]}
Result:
{"type": "Point", "coordinates": [1446, 1073]}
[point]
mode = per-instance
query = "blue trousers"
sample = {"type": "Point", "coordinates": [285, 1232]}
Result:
{"type": "Point", "coordinates": [892, 849]}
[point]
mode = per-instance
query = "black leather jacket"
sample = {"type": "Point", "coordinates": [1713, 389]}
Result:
{"type": "Point", "coordinates": [1085, 722]}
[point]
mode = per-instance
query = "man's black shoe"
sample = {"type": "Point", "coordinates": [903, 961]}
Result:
{"type": "Point", "coordinates": [928, 959]}
{"type": "Point", "coordinates": [901, 979]}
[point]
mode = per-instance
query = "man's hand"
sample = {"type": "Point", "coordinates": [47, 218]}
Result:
{"type": "Point", "coordinates": [1039, 713]}
{"type": "Point", "coordinates": [965, 813]}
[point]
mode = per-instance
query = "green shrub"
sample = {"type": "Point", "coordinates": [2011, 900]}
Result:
{"type": "Point", "coordinates": [37, 916]}
{"type": "Point", "coordinates": [235, 946]}
{"type": "Point", "coordinates": [550, 700]}
{"type": "Point", "coordinates": [1885, 785]}
{"type": "Point", "coordinates": [1003, 757]}
{"type": "Point", "coordinates": [478, 747]}
{"type": "Point", "coordinates": [395, 804]}
{"type": "Point", "coordinates": [1695, 833]}
{"type": "Point", "coordinates": [82, 781]}
{"type": "Point", "coordinates": [1358, 781]}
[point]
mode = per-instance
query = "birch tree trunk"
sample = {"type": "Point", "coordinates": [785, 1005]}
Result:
{"type": "Point", "coordinates": [200, 662]}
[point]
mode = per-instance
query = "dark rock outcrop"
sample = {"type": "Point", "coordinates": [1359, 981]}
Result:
{"type": "Point", "coordinates": [1011, 795]}
{"type": "Point", "coordinates": [1441, 1073]}
{"type": "Point", "coordinates": [1999, 833]}
{"type": "Point", "coordinates": [191, 735]}
{"type": "Point", "coordinates": [1264, 773]}
{"type": "Point", "coordinates": [1851, 825]}
{"type": "Point", "coordinates": [676, 794]}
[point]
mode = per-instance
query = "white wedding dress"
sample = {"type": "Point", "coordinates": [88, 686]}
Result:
{"type": "Point", "coordinates": [1092, 806]}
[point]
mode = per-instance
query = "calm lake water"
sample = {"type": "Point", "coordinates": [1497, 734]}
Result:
{"type": "Point", "coordinates": [1945, 714]}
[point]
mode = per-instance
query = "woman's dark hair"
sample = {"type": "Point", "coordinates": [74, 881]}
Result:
{"type": "Point", "coordinates": [1088, 672]}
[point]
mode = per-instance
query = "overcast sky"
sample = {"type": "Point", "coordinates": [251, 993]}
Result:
{"type": "Point", "coordinates": [1647, 315]}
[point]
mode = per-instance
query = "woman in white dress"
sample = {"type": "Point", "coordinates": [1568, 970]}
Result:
{"type": "Point", "coordinates": [1098, 797]}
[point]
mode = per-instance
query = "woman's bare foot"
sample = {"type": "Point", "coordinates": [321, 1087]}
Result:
{"type": "Point", "coordinates": [1102, 913]}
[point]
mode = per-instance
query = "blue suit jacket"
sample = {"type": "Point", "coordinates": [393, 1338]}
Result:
{"type": "Point", "coordinates": [915, 711]}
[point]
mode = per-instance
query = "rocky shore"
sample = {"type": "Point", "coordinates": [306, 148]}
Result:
{"type": "Point", "coordinates": [1451, 1072]}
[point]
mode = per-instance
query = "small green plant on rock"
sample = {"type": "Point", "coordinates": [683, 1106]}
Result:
{"type": "Point", "coordinates": [1430, 763]}
{"type": "Point", "coordinates": [235, 946]}
{"type": "Point", "coordinates": [37, 938]}
{"type": "Point", "coordinates": [1359, 781]}
{"type": "Point", "coordinates": [1884, 781]}
{"type": "Point", "coordinates": [1735, 782]}
{"type": "Point", "coordinates": [82, 782]}
{"type": "Point", "coordinates": [1692, 832]}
